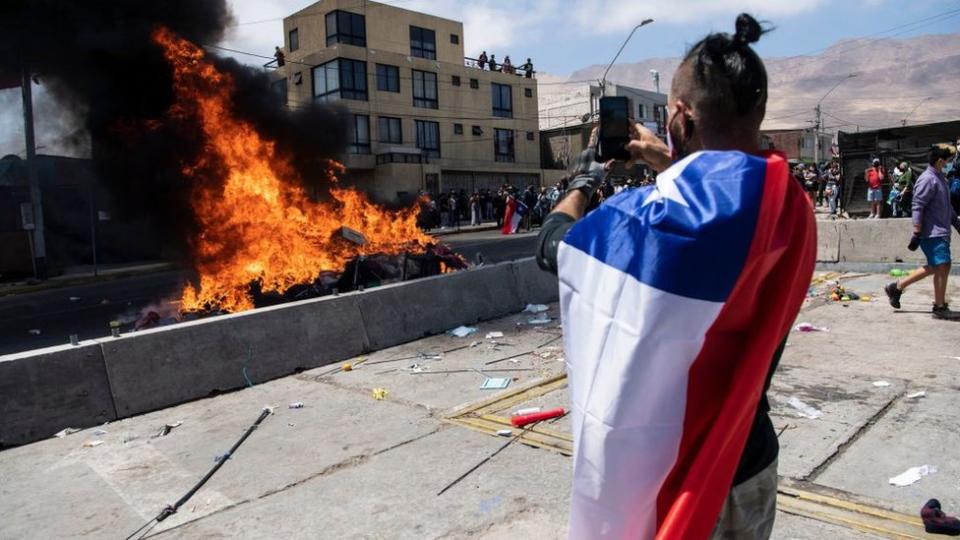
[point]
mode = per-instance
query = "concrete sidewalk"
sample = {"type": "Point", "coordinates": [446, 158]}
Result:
{"type": "Point", "coordinates": [347, 465]}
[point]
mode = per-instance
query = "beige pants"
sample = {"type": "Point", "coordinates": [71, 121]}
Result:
{"type": "Point", "coordinates": [750, 508]}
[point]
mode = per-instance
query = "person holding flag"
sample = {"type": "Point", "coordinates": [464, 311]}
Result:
{"type": "Point", "coordinates": [676, 300]}
{"type": "Point", "coordinates": [514, 213]}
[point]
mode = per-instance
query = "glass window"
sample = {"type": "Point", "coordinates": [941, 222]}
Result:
{"type": "Point", "coordinates": [390, 130]}
{"type": "Point", "coordinates": [458, 129]}
{"type": "Point", "coordinates": [503, 145]}
{"type": "Point", "coordinates": [360, 135]}
{"type": "Point", "coordinates": [530, 136]}
{"type": "Point", "coordinates": [428, 138]}
{"type": "Point", "coordinates": [326, 81]}
{"type": "Point", "coordinates": [279, 88]}
{"type": "Point", "coordinates": [346, 27]}
{"type": "Point", "coordinates": [423, 43]}
{"type": "Point", "coordinates": [477, 130]}
{"type": "Point", "coordinates": [455, 39]}
{"type": "Point", "coordinates": [388, 78]}
{"type": "Point", "coordinates": [474, 83]}
{"type": "Point", "coordinates": [294, 38]}
{"type": "Point", "coordinates": [425, 89]}
{"type": "Point", "coordinates": [528, 92]}
{"type": "Point", "coordinates": [455, 80]}
{"type": "Point", "coordinates": [502, 100]}
{"type": "Point", "coordinates": [641, 110]}
{"type": "Point", "coordinates": [341, 78]}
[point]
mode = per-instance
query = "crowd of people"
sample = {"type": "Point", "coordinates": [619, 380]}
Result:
{"type": "Point", "coordinates": [456, 208]}
{"type": "Point", "coordinates": [485, 62]}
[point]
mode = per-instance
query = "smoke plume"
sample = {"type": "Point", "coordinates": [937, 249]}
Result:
{"type": "Point", "coordinates": [97, 59]}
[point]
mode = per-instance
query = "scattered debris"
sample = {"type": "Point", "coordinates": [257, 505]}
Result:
{"type": "Point", "coordinates": [296, 405]}
{"type": "Point", "coordinates": [128, 438]}
{"type": "Point", "coordinates": [353, 235]}
{"type": "Point", "coordinates": [804, 410]}
{"type": "Point", "coordinates": [74, 340]}
{"type": "Point", "coordinates": [521, 420]}
{"type": "Point", "coordinates": [935, 521]}
{"type": "Point", "coordinates": [535, 308]}
{"type": "Point", "coordinates": [494, 335]}
{"type": "Point", "coordinates": [543, 318]}
{"type": "Point", "coordinates": [528, 410]}
{"type": "Point", "coordinates": [505, 432]}
{"type": "Point", "coordinates": [495, 383]}
{"type": "Point", "coordinates": [347, 366]}
{"type": "Point", "coordinates": [953, 357]}
{"type": "Point", "coordinates": [462, 331]}
{"type": "Point", "coordinates": [475, 343]}
{"type": "Point", "coordinates": [104, 302]}
{"type": "Point", "coordinates": [912, 475]}
{"type": "Point", "coordinates": [896, 272]}
{"type": "Point", "coordinates": [34, 331]}
{"type": "Point", "coordinates": [92, 444]}
{"type": "Point", "coordinates": [807, 327]}
{"type": "Point", "coordinates": [917, 395]}
{"type": "Point", "coordinates": [167, 428]}
{"type": "Point", "coordinates": [484, 460]}
{"type": "Point", "coordinates": [74, 298]}
{"type": "Point", "coordinates": [64, 432]}
{"type": "Point", "coordinates": [881, 384]}
{"type": "Point", "coordinates": [100, 432]}
{"type": "Point", "coordinates": [221, 457]}
{"type": "Point", "coordinates": [380, 394]}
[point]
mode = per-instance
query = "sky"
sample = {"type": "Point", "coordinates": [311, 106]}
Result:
{"type": "Point", "coordinates": [564, 35]}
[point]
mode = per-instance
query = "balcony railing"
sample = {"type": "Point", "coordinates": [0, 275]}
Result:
{"type": "Point", "coordinates": [519, 71]}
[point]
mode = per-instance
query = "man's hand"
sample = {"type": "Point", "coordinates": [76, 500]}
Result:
{"type": "Point", "coordinates": [647, 147]}
{"type": "Point", "coordinates": [914, 242]}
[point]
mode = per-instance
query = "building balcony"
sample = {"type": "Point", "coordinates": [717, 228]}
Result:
{"type": "Point", "coordinates": [519, 71]}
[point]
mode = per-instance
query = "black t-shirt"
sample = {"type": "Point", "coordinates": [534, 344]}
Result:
{"type": "Point", "coordinates": [762, 447]}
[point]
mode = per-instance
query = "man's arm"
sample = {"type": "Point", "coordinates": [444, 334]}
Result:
{"type": "Point", "coordinates": [921, 197]}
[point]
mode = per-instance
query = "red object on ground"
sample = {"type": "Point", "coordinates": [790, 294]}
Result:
{"type": "Point", "coordinates": [524, 419]}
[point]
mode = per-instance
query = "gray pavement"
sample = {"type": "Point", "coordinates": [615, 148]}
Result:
{"type": "Point", "coordinates": [351, 466]}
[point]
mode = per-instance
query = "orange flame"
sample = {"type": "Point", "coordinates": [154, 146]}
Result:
{"type": "Point", "coordinates": [257, 222]}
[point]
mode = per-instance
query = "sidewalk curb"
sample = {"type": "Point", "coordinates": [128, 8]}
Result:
{"type": "Point", "coordinates": [464, 231]}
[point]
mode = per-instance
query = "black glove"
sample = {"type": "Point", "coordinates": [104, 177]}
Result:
{"type": "Point", "coordinates": [587, 183]}
{"type": "Point", "coordinates": [914, 243]}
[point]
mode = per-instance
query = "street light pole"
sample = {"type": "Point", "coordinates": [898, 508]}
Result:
{"type": "Point", "coordinates": [819, 120]}
{"type": "Point", "coordinates": [656, 79]}
{"type": "Point", "coordinates": [39, 245]}
{"type": "Point", "coordinates": [603, 81]}
{"type": "Point", "coordinates": [913, 110]}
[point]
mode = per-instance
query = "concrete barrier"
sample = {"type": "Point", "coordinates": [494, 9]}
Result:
{"type": "Point", "coordinates": [828, 241]}
{"type": "Point", "coordinates": [165, 366]}
{"type": "Point", "coordinates": [407, 311]}
{"type": "Point", "coordinates": [534, 285]}
{"type": "Point", "coordinates": [879, 241]}
{"type": "Point", "coordinates": [43, 392]}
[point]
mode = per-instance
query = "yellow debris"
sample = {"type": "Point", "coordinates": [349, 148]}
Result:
{"type": "Point", "coordinates": [380, 394]}
{"type": "Point", "coordinates": [347, 366]}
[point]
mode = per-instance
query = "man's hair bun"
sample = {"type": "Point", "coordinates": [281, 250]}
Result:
{"type": "Point", "coordinates": [748, 30]}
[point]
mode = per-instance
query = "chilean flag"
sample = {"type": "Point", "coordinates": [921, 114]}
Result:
{"type": "Point", "coordinates": [513, 215]}
{"type": "Point", "coordinates": [674, 299]}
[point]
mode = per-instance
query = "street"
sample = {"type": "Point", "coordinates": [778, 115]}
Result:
{"type": "Point", "coordinates": [86, 310]}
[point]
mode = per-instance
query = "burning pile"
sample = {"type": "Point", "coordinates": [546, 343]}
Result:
{"type": "Point", "coordinates": [256, 222]}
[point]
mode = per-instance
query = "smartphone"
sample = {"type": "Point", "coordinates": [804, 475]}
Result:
{"type": "Point", "coordinates": [614, 129]}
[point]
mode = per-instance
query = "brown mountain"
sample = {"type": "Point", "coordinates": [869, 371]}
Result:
{"type": "Point", "coordinates": [892, 77]}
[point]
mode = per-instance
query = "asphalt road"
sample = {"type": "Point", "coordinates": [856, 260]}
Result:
{"type": "Point", "coordinates": [86, 310]}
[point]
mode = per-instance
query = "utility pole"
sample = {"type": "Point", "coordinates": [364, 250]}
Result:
{"type": "Point", "coordinates": [39, 244]}
{"type": "Point", "coordinates": [656, 79]}
{"type": "Point", "coordinates": [816, 139]}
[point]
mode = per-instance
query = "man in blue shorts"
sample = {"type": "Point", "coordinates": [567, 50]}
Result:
{"type": "Point", "coordinates": [932, 218]}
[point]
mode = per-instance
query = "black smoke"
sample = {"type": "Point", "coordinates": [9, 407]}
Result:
{"type": "Point", "coordinates": [97, 59]}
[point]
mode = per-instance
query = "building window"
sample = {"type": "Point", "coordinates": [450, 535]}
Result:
{"type": "Point", "coordinates": [389, 130]}
{"type": "Point", "coordinates": [360, 135]}
{"type": "Point", "coordinates": [474, 83]}
{"type": "Point", "coordinates": [477, 131]}
{"type": "Point", "coordinates": [458, 129]}
{"type": "Point", "coordinates": [502, 100]}
{"type": "Point", "coordinates": [294, 39]}
{"type": "Point", "coordinates": [425, 89]}
{"type": "Point", "coordinates": [503, 145]}
{"type": "Point", "coordinates": [528, 92]}
{"type": "Point", "coordinates": [530, 136]}
{"type": "Point", "coordinates": [455, 39]}
{"type": "Point", "coordinates": [423, 43]}
{"type": "Point", "coordinates": [641, 110]}
{"type": "Point", "coordinates": [455, 80]}
{"type": "Point", "coordinates": [279, 89]}
{"type": "Point", "coordinates": [345, 27]}
{"type": "Point", "coordinates": [388, 78]}
{"type": "Point", "coordinates": [341, 78]}
{"type": "Point", "coordinates": [394, 157]}
{"type": "Point", "coordinates": [428, 138]}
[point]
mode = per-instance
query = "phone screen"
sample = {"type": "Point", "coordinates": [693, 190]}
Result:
{"type": "Point", "coordinates": [614, 128]}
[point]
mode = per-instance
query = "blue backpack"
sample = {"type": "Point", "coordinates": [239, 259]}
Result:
{"type": "Point", "coordinates": [955, 187]}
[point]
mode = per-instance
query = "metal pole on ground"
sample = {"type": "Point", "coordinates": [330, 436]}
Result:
{"type": "Point", "coordinates": [39, 245]}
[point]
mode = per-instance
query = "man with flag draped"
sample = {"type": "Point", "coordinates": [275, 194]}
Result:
{"type": "Point", "coordinates": [514, 214]}
{"type": "Point", "coordinates": [676, 301]}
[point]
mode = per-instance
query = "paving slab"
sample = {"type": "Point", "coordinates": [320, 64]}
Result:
{"type": "Point", "coordinates": [130, 482]}
{"type": "Point", "coordinates": [394, 495]}
{"type": "Point", "coordinates": [914, 432]}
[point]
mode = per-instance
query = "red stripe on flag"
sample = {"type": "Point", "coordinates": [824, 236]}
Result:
{"type": "Point", "coordinates": [726, 379]}
{"type": "Point", "coordinates": [508, 216]}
